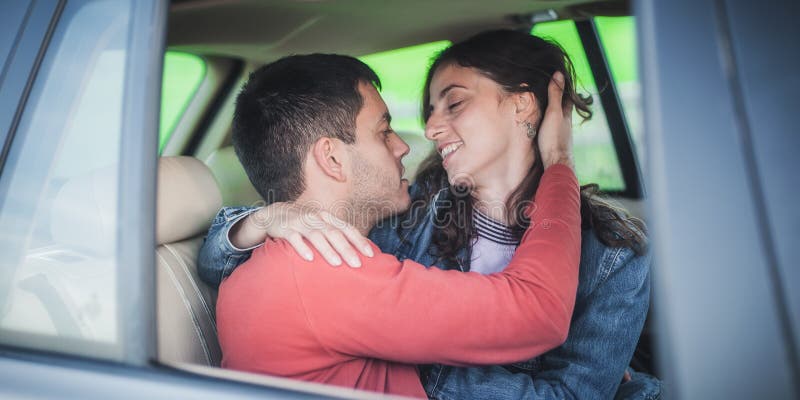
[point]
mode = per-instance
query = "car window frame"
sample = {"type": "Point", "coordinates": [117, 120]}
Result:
{"type": "Point", "coordinates": [26, 54]}
{"type": "Point", "coordinates": [137, 181]}
{"type": "Point", "coordinates": [612, 106]}
{"type": "Point", "coordinates": [136, 185]}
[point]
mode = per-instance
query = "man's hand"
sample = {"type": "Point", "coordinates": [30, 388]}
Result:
{"type": "Point", "coordinates": [555, 132]}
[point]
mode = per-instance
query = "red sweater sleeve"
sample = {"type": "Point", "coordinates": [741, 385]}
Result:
{"type": "Point", "coordinates": [404, 312]}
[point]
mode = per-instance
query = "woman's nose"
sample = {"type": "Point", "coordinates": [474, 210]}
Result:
{"type": "Point", "coordinates": [433, 127]}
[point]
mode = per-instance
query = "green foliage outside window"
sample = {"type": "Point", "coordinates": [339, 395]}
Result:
{"type": "Point", "coordinates": [183, 74]}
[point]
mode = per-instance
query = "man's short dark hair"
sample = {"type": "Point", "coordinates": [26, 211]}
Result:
{"type": "Point", "coordinates": [288, 105]}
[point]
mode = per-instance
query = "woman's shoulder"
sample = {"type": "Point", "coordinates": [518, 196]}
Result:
{"type": "Point", "coordinates": [602, 260]}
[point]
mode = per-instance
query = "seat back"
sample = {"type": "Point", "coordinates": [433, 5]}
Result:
{"type": "Point", "coordinates": [188, 198]}
{"type": "Point", "coordinates": [233, 181]}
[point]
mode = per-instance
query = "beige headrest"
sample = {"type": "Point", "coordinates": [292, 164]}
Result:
{"type": "Point", "coordinates": [233, 181]}
{"type": "Point", "coordinates": [187, 199]}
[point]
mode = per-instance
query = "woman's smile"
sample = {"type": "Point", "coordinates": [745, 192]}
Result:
{"type": "Point", "coordinates": [448, 150]}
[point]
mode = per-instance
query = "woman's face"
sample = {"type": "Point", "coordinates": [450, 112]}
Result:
{"type": "Point", "coordinates": [473, 124]}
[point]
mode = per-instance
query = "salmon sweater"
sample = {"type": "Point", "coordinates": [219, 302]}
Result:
{"type": "Point", "coordinates": [367, 327]}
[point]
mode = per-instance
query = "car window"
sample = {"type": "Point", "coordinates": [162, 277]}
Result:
{"type": "Point", "coordinates": [618, 38]}
{"type": "Point", "coordinates": [595, 157]}
{"type": "Point", "coordinates": [58, 201]}
{"type": "Point", "coordinates": [183, 74]}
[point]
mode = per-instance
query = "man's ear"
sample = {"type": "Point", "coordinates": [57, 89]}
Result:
{"type": "Point", "coordinates": [329, 155]}
{"type": "Point", "coordinates": [527, 108]}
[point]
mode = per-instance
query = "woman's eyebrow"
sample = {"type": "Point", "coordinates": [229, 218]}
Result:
{"type": "Point", "coordinates": [449, 88]}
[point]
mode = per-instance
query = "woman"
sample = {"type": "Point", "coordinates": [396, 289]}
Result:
{"type": "Point", "coordinates": [482, 105]}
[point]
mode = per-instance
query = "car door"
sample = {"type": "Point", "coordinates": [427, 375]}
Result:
{"type": "Point", "coordinates": [80, 87]}
{"type": "Point", "coordinates": [720, 99]}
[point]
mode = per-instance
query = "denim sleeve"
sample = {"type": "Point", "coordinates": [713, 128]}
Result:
{"type": "Point", "coordinates": [590, 364]}
{"type": "Point", "coordinates": [495, 382]}
{"type": "Point", "coordinates": [386, 234]}
{"type": "Point", "coordinates": [218, 256]}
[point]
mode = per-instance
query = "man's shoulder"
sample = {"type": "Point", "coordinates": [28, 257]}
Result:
{"type": "Point", "coordinates": [266, 261]}
{"type": "Point", "coordinates": [277, 259]}
{"type": "Point", "coordinates": [273, 251]}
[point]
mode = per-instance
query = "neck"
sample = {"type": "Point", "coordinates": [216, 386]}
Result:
{"type": "Point", "coordinates": [361, 221]}
{"type": "Point", "coordinates": [492, 192]}
{"type": "Point", "coordinates": [339, 207]}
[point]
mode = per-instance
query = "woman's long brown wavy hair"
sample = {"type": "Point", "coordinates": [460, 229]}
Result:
{"type": "Point", "coordinates": [518, 62]}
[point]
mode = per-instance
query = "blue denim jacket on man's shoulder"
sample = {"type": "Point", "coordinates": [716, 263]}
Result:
{"type": "Point", "coordinates": [610, 310]}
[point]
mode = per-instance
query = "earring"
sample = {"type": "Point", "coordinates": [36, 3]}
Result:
{"type": "Point", "coordinates": [531, 130]}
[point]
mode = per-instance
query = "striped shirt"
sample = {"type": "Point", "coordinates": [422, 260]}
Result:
{"type": "Point", "coordinates": [495, 245]}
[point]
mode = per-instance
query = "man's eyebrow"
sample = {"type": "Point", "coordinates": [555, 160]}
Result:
{"type": "Point", "coordinates": [385, 117]}
{"type": "Point", "coordinates": [449, 88]}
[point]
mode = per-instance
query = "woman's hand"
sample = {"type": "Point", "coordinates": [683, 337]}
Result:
{"type": "Point", "coordinates": [555, 132]}
{"type": "Point", "coordinates": [332, 237]}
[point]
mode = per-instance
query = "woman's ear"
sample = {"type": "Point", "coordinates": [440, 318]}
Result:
{"type": "Point", "coordinates": [527, 108]}
{"type": "Point", "coordinates": [328, 154]}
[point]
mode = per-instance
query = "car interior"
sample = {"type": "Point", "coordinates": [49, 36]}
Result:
{"type": "Point", "coordinates": [117, 156]}
{"type": "Point", "coordinates": [198, 171]}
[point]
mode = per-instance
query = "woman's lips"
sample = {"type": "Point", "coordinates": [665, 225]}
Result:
{"type": "Point", "coordinates": [447, 151]}
{"type": "Point", "coordinates": [450, 153]}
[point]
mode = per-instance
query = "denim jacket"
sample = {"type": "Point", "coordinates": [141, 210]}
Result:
{"type": "Point", "coordinates": [610, 310]}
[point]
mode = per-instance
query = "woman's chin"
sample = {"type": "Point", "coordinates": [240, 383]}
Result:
{"type": "Point", "coordinates": [460, 176]}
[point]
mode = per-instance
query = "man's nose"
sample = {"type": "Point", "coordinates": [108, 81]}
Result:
{"type": "Point", "coordinates": [401, 148]}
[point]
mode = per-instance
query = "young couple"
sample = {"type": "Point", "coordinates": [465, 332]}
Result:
{"type": "Point", "coordinates": [561, 288]}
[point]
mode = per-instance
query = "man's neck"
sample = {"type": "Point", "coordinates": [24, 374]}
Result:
{"type": "Point", "coordinates": [342, 209]}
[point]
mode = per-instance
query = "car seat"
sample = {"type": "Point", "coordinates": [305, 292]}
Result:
{"type": "Point", "coordinates": [233, 181]}
{"type": "Point", "coordinates": [188, 198]}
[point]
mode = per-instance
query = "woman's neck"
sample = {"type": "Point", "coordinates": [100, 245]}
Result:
{"type": "Point", "coordinates": [491, 193]}
{"type": "Point", "coordinates": [491, 201]}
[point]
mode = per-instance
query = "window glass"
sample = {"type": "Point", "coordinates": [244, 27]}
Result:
{"type": "Point", "coordinates": [58, 191]}
{"type": "Point", "coordinates": [183, 74]}
{"type": "Point", "coordinates": [595, 156]}
{"type": "Point", "coordinates": [402, 74]}
{"type": "Point", "coordinates": [618, 38]}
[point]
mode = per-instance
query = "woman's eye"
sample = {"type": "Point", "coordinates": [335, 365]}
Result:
{"type": "Point", "coordinates": [455, 105]}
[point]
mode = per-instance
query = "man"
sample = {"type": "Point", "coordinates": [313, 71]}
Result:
{"type": "Point", "coordinates": [314, 130]}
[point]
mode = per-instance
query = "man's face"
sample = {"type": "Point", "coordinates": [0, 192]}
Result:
{"type": "Point", "coordinates": [378, 187]}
